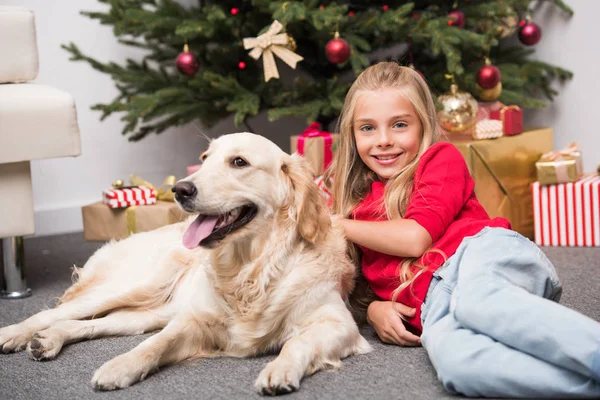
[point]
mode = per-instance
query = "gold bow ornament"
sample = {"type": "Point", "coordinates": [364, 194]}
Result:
{"type": "Point", "coordinates": [272, 42]}
{"type": "Point", "coordinates": [163, 193]}
{"type": "Point", "coordinates": [560, 166]}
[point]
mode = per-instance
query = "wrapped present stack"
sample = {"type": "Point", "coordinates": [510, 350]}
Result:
{"type": "Point", "coordinates": [124, 211]}
{"type": "Point", "coordinates": [503, 170]}
{"type": "Point", "coordinates": [316, 146]}
{"type": "Point", "coordinates": [493, 120]}
{"type": "Point", "coordinates": [566, 201]}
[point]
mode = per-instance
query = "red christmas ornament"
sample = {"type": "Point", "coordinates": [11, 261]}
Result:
{"type": "Point", "coordinates": [234, 11]}
{"type": "Point", "coordinates": [457, 18]}
{"type": "Point", "coordinates": [351, 13]}
{"type": "Point", "coordinates": [187, 63]}
{"type": "Point", "coordinates": [337, 50]}
{"type": "Point", "coordinates": [488, 76]}
{"type": "Point", "coordinates": [385, 7]}
{"type": "Point", "coordinates": [530, 33]}
{"type": "Point", "coordinates": [241, 65]}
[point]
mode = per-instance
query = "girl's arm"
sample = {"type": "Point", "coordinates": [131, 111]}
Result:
{"type": "Point", "coordinates": [399, 237]}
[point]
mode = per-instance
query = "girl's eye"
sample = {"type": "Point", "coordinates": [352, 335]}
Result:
{"type": "Point", "coordinates": [400, 125]}
{"type": "Point", "coordinates": [366, 128]}
{"type": "Point", "coordinates": [239, 162]}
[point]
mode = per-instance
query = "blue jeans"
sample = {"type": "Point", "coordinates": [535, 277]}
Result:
{"type": "Point", "coordinates": [492, 325]}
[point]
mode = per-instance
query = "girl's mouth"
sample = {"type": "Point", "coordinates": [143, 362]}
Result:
{"type": "Point", "coordinates": [386, 159]}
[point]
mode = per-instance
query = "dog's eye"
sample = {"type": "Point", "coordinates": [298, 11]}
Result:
{"type": "Point", "coordinates": [239, 162]}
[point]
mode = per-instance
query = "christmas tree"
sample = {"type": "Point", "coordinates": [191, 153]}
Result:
{"type": "Point", "coordinates": [331, 42]}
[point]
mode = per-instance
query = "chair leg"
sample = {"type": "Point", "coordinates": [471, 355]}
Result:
{"type": "Point", "coordinates": [14, 285]}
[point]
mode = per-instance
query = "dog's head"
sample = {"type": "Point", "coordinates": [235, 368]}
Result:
{"type": "Point", "coordinates": [244, 181]}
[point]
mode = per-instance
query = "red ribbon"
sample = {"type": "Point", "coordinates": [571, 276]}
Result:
{"type": "Point", "coordinates": [314, 130]}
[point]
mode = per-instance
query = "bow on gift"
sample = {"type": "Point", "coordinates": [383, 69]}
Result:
{"type": "Point", "coordinates": [163, 193]}
{"type": "Point", "coordinates": [268, 43]}
{"type": "Point", "coordinates": [561, 160]}
{"type": "Point", "coordinates": [314, 130]}
{"type": "Point", "coordinates": [572, 151]}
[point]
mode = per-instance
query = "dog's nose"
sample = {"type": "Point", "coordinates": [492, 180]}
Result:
{"type": "Point", "coordinates": [184, 190]}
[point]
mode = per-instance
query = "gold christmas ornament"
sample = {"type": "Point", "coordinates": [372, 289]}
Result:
{"type": "Point", "coordinates": [490, 94]}
{"type": "Point", "coordinates": [118, 184]}
{"type": "Point", "coordinates": [460, 110]}
{"type": "Point", "coordinates": [507, 25]}
{"type": "Point", "coordinates": [510, 24]}
{"type": "Point", "coordinates": [269, 43]}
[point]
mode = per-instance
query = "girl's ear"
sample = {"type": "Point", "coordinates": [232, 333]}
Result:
{"type": "Point", "coordinates": [306, 203]}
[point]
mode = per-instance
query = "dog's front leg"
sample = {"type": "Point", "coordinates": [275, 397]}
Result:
{"type": "Point", "coordinates": [15, 337]}
{"type": "Point", "coordinates": [46, 344]}
{"type": "Point", "coordinates": [327, 336]}
{"type": "Point", "coordinates": [184, 337]}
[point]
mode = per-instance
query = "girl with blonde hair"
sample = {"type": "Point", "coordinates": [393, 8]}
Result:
{"type": "Point", "coordinates": [481, 298]}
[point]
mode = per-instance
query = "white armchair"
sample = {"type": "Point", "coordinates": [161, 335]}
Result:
{"type": "Point", "coordinates": [36, 122]}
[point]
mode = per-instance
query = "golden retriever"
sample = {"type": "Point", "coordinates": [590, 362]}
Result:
{"type": "Point", "coordinates": [260, 269]}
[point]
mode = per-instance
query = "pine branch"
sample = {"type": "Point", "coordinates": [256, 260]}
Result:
{"type": "Point", "coordinates": [153, 95]}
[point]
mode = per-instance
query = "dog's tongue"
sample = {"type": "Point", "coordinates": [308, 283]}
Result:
{"type": "Point", "coordinates": [198, 231]}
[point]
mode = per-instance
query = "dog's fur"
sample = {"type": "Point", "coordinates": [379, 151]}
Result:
{"type": "Point", "coordinates": [277, 283]}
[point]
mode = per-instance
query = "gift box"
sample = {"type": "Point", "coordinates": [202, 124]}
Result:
{"type": "Point", "coordinates": [511, 118]}
{"type": "Point", "coordinates": [567, 214]}
{"type": "Point", "coordinates": [560, 166]}
{"type": "Point", "coordinates": [102, 223]}
{"type": "Point", "coordinates": [483, 113]}
{"type": "Point", "coordinates": [316, 146]}
{"type": "Point", "coordinates": [503, 170]}
{"type": "Point", "coordinates": [129, 196]}
{"type": "Point", "coordinates": [487, 129]}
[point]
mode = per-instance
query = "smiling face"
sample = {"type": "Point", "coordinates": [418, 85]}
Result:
{"type": "Point", "coordinates": [387, 131]}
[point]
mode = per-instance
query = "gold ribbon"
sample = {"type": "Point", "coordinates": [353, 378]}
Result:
{"type": "Point", "coordinates": [560, 166]}
{"type": "Point", "coordinates": [131, 220]}
{"type": "Point", "coordinates": [163, 193]}
{"type": "Point", "coordinates": [268, 43]}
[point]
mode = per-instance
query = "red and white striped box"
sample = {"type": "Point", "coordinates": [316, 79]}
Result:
{"type": "Point", "coordinates": [131, 196]}
{"type": "Point", "coordinates": [567, 214]}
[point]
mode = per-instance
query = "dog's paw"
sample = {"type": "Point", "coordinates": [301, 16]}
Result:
{"type": "Point", "coordinates": [119, 373]}
{"type": "Point", "coordinates": [45, 345]}
{"type": "Point", "coordinates": [13, 338]}
{"type": "Point", "coordinates": [278, 377]}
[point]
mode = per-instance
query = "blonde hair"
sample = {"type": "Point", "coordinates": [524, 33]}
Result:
{"type": "Point", "coordinates": [352, 179]}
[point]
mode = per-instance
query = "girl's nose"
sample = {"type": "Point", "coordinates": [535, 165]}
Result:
{"type": "Point", "coordinates": [384, 139]}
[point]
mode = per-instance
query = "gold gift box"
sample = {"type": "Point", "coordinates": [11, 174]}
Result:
{"type": "Point", "coordinates": [102, 223]}
{"type": "Point", "coordinates": [503, 170]}
{"type": "Point", "coordinates": [560, 166]}
{"type": "Point", "coordinates": [314, 151]}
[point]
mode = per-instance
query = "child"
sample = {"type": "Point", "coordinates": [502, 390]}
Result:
{"type": "Point", "coordinates": [484, 297]}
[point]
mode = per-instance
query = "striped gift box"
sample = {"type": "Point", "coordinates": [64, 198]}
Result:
{"type": "Point", "coordinates": [131, 196]}
{"type": "Point", "coordinates": [488, 129]}
{"type": "Point", "coordinates": [320, 181]}
{"type": "Point", "coordinates": [567, 214]}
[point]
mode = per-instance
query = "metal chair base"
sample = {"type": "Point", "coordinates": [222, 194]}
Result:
{"type": "Point", "coordinates": [14, 284]}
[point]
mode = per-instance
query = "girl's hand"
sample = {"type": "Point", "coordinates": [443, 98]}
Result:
{"type": "Point", "coordinates": [384, 316]}
{"type": "Point", "coordinates": [336, 219]}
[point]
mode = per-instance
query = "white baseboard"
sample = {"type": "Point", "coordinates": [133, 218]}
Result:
{"type": "Point", "coordinates": [58, 220]}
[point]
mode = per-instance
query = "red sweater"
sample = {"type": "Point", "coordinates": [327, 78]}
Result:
{"type": "Point", "coordinates": [443, 202]}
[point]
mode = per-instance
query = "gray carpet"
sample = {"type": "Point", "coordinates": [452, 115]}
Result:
{"type": "Point", "coordinates": [387, 372]}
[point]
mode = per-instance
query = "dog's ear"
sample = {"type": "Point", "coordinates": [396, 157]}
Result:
{"type": "Point", "coordinates": [307, 205]}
